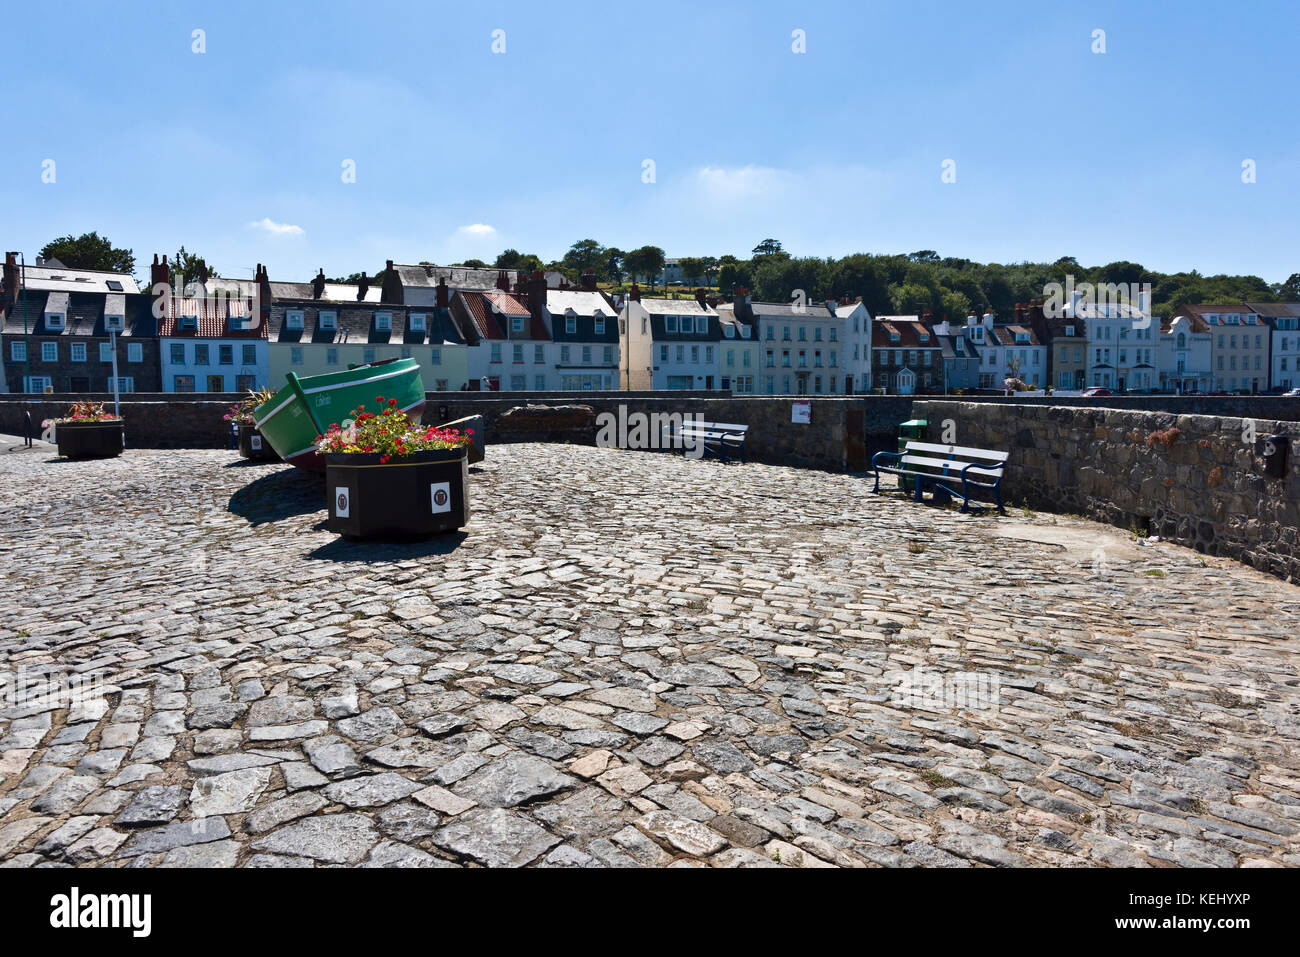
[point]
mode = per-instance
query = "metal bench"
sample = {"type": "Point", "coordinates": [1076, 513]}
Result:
{"type": "Point", "coordinates": [948, 469]}
{"type": "Point", "coordinates": [717, 437]}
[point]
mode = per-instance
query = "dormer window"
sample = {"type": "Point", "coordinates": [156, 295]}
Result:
{"type": "Point", "coordinates": [730, 331]}
{"type": "Point", "coordinates": [893, 337]}
{"type": "Point", "coordinates": [959, 347]}
{"type": "Point", "coordinates": [571, 325]}
{"type": "Point", "coordinates": [416, 321]}
{"type": "Point", "coordinates": [328, 320]}
{"type": "Point", "coordinates": [1069, 330]}
{"type": "Point", "coordinates": [293, 320]}
{"type": "Point", "coordinates": [670, 324]}
{"type": "Point", "coordinates": [516, 324]}
{"type": "Point", "coordinates": [114, 323]}
{"type": "Point", "coordinates": [925, 336]}
{"type": "Point", "coordinates": [702, 324]}
{"type": "Point", "coordinates": [383, 321]}
{"type": "Point", "coordinates": [600, 325]}
{"type": "Point", "coordinates": [1022, 338]}
{"type": "Point", "coordinates": [54, 320]}
{"type": "Point", "coordinates": [744, 332]}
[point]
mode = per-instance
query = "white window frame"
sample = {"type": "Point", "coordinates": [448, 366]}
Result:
{"type": "Point", "coordinates": [17, 352]}
{"type": "Point", "coordinates": [435, 356]}
{"type": "Point", "coordinates": [328, 320]}
{"type": "Point", "coordinates": [105, 352]}
{"type": "Point", "coordinates": [54, 320]}
{"type": "Point", "coordinates": [384, 321]}
{"type": "Point", "coordinates": [702, 325]}
{"type": "Point", "coordinates": [670, 323]}
{"type": "Point", "coordinates": [49, 352]}
{"type": "Point", "coordinates": [600, 325]}
{"type": "Point", "coordinates": [416, 321]}
{"type": "Point", "coordinates": [516, 325]}
{"type": "Point", "coordinates": [293, 319]}
{"type": "Point", "coordinates": [77, 352]}
{"type": "Point", "coordinates": [135, 352]}
{"type": "Point", "coordinates": [571, 325]}
{"type": "Point", "coordinates": [295, 355]}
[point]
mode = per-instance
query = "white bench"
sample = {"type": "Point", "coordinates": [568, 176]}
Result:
{"type": "Point", "coordinates": [949, 469]}
{"type": "Point", "coordinates": [717, 437]}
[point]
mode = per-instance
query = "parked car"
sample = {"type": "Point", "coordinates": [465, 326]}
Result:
{"type": "Point", "coordinates": [1097, 391]}
{"type": "Point", "coordinates": [1292, 392]}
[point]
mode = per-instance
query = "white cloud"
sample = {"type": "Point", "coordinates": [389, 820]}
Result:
{"type": "Point", "coordinates": [277, 229]}
{"type": "Point", "coordinates": [730, 185]}
{"type": "Point", "coordinates": [477, 230]}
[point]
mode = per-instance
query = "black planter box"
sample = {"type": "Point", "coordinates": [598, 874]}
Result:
{"type": "Point", "coordinates": [252, 445]}
{"type": "Point", "coordinates": [410, 497]}
{"type": "Point", "coordinates": [90, 440]}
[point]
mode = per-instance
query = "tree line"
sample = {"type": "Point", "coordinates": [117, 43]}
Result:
{"type": "Point", "coordinates": [889, 284]}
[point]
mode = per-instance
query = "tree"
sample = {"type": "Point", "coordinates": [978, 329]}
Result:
{"type": "Point", "coordinates": [474, 264]}
{"type": "Point", "coordinates": [614, 264]}
{"type": "Point", "coordinates": [89, 251]}
{"type": "Point", "coordinates": [648, 261]}
{"type": "Point", "coordinates": [768, 248]}
{"type": "Point", "coordinates": [924, 256]}
{"type": "Point", "coordinates": [1289, 291]}
{"type": "Point", "coordinates": [525, 263]}
{"type": "Point", "coordinates": [583, 255]}
{"type": "Point", "coordinates": [692, 267]}
{"type": "Point", "coordinates": [710, 268]}
{"type": "Point", "coordinates": [191, 266]}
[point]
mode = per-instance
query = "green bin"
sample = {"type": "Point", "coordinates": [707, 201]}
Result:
{"type": "Point", "coordinates": [911, 429]}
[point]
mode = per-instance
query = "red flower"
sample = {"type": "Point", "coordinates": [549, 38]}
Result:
{"type": "Point", "coordinates": [392, 402]}
{"type": "Point", "coordinates": [379, 399]}
{"type": "Point", "coordinates": [383, 458]}
{"type": "Point", "coordinates": [469, 431]}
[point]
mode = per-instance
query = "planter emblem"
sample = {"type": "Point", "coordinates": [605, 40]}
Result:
{"type": "Point", "coordinates": [342, 507]}
{"type": "Point", "coordinates": [440, 493]}
{"type": "Point", "coordinates": [256, 442]}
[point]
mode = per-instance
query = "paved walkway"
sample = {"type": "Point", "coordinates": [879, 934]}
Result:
{"type": "Point", "coordinates": [630, 659]}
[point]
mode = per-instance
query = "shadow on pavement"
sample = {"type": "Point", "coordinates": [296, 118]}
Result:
{"type": "Point", "coordinates": [386, 550]}
{"type": "Point", "coordinates": [279, 495]}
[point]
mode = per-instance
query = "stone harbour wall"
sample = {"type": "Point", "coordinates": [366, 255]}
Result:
{"type": "Point", "coordinates": [1196, 480]}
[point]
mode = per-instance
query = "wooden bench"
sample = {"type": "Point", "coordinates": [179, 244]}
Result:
{"type": "Point", "coordinates": [948, 469]}
{"type": "Point", "coordinates": [717, 437]}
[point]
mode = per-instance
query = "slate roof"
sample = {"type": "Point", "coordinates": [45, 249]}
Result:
{"type": "Point", "coordinates": [84, 315]}
{"type": "Point", "coordinates": [1275, 310]}
{"type": "Point", "coordinates": [63, 279]}
{"type": "Point", "coordinates": [457, 277]}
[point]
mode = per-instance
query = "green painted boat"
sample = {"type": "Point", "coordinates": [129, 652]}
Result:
{"type": "Point", "coordinates": [292, 418]}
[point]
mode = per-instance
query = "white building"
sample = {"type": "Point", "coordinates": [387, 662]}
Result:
{"type": "Point", "coordinates": [668, 344]}
{"type": "Point", "coordinates": [1183, 358]}
{"type": "Point", "coordinates": [1283, 319]}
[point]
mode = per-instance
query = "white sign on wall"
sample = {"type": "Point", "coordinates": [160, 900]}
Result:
{"type": "Point", "coordinates": [801, 412]}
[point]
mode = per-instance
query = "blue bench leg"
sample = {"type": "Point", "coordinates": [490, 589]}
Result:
{"type": "Point", "coordinates": [877, 488]}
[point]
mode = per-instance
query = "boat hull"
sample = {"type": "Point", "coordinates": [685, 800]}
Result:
{"type": "Point", "coordinates": [290, 424]}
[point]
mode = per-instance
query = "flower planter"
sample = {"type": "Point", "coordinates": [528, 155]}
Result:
{"type": "Point", "coordinates": [412, 496]}
{"type": "Point", "coordinates": [252, 445]}
{"type": "Point", "coordinates": [90, 440]}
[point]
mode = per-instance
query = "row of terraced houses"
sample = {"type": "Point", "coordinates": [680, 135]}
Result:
{"type": "Point", "coordinates": [476, 329]}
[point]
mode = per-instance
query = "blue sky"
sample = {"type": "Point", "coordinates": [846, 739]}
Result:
{"type": "Point", "coordinates": [1131, 154]}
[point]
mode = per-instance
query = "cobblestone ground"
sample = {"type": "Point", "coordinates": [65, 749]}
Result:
{"type": "Point", "coordinates": [630, 659]}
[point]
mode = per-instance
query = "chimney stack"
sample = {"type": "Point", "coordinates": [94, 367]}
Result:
{"type": "Point", "coordinates": [392, 286]}
{"type": "Point", "coordinates": [743, 309]}
{"type": "Point", "coordinates": [635, 293]}
{"type": "Point", "coordinates": [589, 280]}
{"type": "Point", "coordinates": [318, 284]}
{"type": "Point", "coordinates": [11, 281]}
{"type": "Point", "coordinates": [443, 293]}
{"type": "Point", "coordinates": [503, 280]}
{"type": "Point", "coordinates": [363, 286]}
{"type": "Point", "coordinates": [700, 295]}
{"type": "Point", "coordinates": [537, 295]}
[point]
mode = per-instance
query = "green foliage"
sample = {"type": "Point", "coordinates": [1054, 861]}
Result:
{"type": "Point", "coordinates": [192, 267]}
{"type": "Point", "coordinates": [526, 263]}
{"type": "Point", "coordinates": [646, 262]}
{"type": "Point", "coordinates": [89, 251]}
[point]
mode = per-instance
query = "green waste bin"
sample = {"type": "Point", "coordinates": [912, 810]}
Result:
{"type": "Point", "coordinates": [911, 429]}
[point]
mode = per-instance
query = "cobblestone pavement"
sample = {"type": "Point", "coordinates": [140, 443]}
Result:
{"type": "Point", "coordinates": [630, 659]}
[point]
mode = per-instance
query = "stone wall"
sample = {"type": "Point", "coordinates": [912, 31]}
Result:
{"type": "Point", "coordinates": [159, 423]}
{"type": "Point", "coordinates": [842, 435]}
{"type": "Point", "coordinates": [1192, 479]}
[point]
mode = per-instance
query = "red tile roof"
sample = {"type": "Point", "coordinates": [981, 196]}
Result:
{"type": "Point", "coordinates": [484, 320]}
{"type": "Point", "coordinates": [909, 335]}
{"type": "Point", "coordinates": [211, 313]}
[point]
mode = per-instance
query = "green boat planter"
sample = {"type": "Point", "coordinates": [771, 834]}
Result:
{"type": "Point", "coordinates": [102, 439]}
{"type": "Point", "coordinates": [253, 445]}
{"type": "Point", "coordinates": [305, 408]}
{"type": "Point", "coordinates": [414, 496]}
